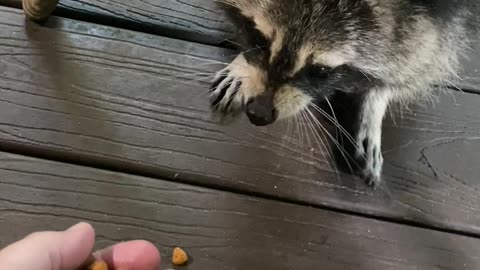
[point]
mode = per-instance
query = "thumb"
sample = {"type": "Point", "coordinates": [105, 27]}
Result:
{"type": "Point", "coordinates": [50, 250]}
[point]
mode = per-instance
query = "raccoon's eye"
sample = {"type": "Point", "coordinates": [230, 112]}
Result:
{"type": "Point", "coordinates": [323, 68]}
{"type": "Point", "coordinates": [313, 73]}
{"type": "Point", "coordinates": [317, 70]}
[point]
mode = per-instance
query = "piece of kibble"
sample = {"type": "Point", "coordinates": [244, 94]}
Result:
{"type": "Point", "coordinates": [98, 265]}
{"type": "Point", "coordinates": [179, 256]}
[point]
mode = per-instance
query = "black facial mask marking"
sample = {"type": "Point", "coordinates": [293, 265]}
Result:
{"type": "Point", "coordinates": [320, 81]}
{"type": "Point", "coordinates": [254, 44]}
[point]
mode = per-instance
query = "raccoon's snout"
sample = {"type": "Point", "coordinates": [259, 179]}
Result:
{"type": "Point", "coordinates": [261, 111]}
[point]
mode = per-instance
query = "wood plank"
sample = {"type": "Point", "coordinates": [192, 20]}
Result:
{"type": "Point", "coordinates": [198, 21]}
{"type": "Point", "coordinates": [120, 99]}
{"type": "Point", "coordinates": [194, 20]}
{"type": "Point", "coordinates": [220, 230]}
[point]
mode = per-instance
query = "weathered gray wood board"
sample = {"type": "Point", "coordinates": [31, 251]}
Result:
{"type": "Point", "coordinates": [220, 230]}
{"type": "Point", "coordinates": [200, 21]}
{"type": "Point", "coordinates": [124, 100]}
{"type": "Point", "coordinates": [194, 20]}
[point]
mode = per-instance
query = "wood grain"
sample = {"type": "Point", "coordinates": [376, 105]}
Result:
{"type": "Point", "coordinates": [219, 230]}
{"type": "Point", "coordinates": [199, 21]}
{"type": "Point", "coordinates": [195, 20]}
{"type": "Point", "coordinates": [126, 101]}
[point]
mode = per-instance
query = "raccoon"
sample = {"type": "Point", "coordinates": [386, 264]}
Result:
{"type": "Point", "coordinates": [299, 53]}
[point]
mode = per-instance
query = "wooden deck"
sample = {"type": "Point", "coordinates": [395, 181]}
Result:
{"type": "Point", "coordinates": [104, 117]}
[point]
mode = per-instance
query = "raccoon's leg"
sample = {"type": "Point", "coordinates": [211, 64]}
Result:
{"type": "Point", "coordinates": [232, 87]}
{"type": "Point", "coordinates": [369, 133]}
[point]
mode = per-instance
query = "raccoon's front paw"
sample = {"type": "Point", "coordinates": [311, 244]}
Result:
{"type": "Point", "coordinates": [369, 156]}
{"type": "Point", "coordinates": [225, 95]}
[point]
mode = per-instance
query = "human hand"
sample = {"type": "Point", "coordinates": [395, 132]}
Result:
{"type": "Point", "coordinates": [70, 249]}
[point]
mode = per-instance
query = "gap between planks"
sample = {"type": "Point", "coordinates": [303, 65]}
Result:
{"type": "Point", "coordinates": [219, 230]}
{"type": "Point", "coordinates": [203, 23]}
{"type": "Point", "coordinates": [57, 106]}
{"type": "Point", "coordinates": [117, 166]}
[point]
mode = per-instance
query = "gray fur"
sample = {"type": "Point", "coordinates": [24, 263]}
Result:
{"type": "Point", "coordinates": [403, 47]}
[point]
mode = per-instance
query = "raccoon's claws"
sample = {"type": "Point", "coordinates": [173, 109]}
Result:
{"type": "Point", "coordinates": [224, 93]}
{"type": "Point", "coordinates": [369, 157]}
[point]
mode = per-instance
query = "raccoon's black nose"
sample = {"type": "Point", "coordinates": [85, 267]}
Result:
{"type": "Point", "coordinates": [261, 111]}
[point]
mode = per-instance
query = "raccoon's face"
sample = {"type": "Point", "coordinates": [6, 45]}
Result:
{"type": "Point", "coordinates": [293, 53]}
{"type": "Point", "coordinates": [298, 53]}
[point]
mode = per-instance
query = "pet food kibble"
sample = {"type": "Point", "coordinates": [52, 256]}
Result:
{"type": "Point", "coordinates": [98, 265]}
{"type": "Point", "coordinates": [179, 256]}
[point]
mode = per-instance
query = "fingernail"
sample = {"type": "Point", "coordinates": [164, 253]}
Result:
{"type": "Point", "coordinates": [77, 226]}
